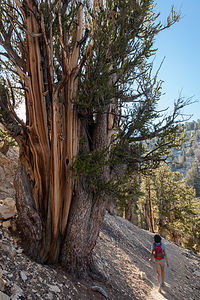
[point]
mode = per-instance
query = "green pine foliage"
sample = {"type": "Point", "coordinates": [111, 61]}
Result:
{"type": "Point", "coordinates": [119, 71]}
{"type": "Point", "coordinates": [128, 190]}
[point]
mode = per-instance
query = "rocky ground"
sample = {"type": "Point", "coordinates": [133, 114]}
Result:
{"type": "Point", "coordinates": [121, 255]}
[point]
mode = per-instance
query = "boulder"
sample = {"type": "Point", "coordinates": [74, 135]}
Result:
{"type": "Point", "coordinates": [2, 284]}
{"type": "Point", "coordinates": [7, 208]}
{"type": "Point", "coordinates": [4, 296]}
{"type": "Point", "coordinates": [8, 168]}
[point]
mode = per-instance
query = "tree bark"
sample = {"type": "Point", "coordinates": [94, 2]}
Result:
{"type": "Point", "coordinates": [196, 237]}
{"type": "Point", "coordinates": [146, 214]}
{"type": "Point", "coordinates": [129, 210]}
{"type": "Point", "coordinates": [86, 216]}
{"type": "Point", "coordinates": [29, 221]}
{"type": "Point", "coordinates": [151, 215]}
{"type": "Point", "coordinates": [161, 226]}
{"type": "Point", "coordinates": [86, 212]}
{"type": "Point", "coordinates": [148, 209]}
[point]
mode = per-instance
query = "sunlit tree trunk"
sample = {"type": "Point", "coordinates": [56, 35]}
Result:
{"type": "Point", "coordinates": [151, 215]}
{"type": "Point", "coordinates": [161, 226]}
{"type": "Point", "coordinates": [129, 210]}
{"type": "Point", "coordinates": [148, 209]}
{"type": "Point", "coordinates": [146, 215]}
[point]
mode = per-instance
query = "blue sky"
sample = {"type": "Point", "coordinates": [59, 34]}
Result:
{"type": "Point", "coordinates": [180, 45]}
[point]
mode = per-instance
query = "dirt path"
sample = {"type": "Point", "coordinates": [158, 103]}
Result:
{"type": "Point", "coordinates": [167, 292]}
{"type": "Point", "coordinates": [155, 295]}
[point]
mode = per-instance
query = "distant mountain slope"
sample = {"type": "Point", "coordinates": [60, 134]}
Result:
{"type": "Point", "coordinates": [189, 153]}
{"type": "Point", "coordinates": [186, 159]}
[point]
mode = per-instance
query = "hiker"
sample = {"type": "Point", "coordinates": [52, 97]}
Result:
{"type": "Point", "coordinates": [159, 253]}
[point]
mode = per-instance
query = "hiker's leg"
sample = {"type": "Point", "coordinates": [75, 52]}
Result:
{"type": "Point", "coordinates": [158, 272]}
{"type": "Point", "coordinates": [163, 274]}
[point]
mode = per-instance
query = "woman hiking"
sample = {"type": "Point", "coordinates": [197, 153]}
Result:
{"type": "Point", "coordinates": [159, 253]}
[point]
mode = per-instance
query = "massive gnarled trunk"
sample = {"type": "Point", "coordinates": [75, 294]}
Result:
{"type": "Point", "coordinates": [57, 222]}
{"type": "Point", "coordinates": [59, 216]}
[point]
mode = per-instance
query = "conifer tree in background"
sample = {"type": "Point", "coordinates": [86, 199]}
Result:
{"type": "Point", "coordinates": [126, 202]}
{"type": "Point", "coordinates": [193, 177]}
{"type": "Point", "coordinates": [90, 98]}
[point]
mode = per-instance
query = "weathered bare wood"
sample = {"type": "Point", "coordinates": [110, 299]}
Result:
{"type": "Point", "coordinates": [66, 62]}
{"type": "Point", "coordinates": [29, 223]}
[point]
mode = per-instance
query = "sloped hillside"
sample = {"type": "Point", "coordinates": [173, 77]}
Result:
{"type": "Point", "coordinates": [121, 255]}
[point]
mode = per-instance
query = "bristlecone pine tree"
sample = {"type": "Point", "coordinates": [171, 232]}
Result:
{"type": "Point", "coordinates": [90, 98]}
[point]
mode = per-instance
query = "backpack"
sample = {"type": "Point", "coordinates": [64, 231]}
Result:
{"type": "Point", "coordinates": [158, 252]}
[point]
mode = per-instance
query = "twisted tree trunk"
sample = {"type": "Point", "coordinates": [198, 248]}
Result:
{"type": "Point", "coordinates": [59, 219]}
